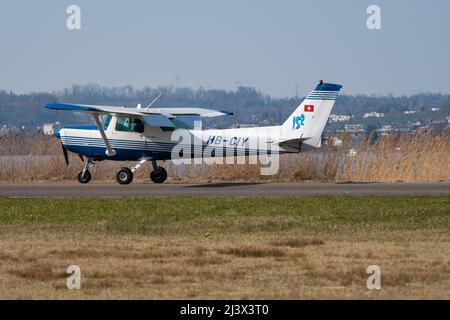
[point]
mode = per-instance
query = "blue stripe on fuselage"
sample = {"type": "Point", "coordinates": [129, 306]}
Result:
{"type": "Point", "coordinates": [99, 153]}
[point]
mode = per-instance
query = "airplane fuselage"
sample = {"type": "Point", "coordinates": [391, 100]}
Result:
{"type": "Point", "coordinates": [158, 144]}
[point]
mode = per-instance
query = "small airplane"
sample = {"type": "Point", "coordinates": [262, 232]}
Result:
{"type": "Point", "coordinates": [145, 134]}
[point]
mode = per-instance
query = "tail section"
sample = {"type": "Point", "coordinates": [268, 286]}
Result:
{"type": "Point", "coordinates": [307, 122]}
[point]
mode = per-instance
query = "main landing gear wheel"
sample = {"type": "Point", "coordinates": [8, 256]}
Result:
{"type": "Point", "coordinates": [124, 176]}
{"type": "Point", "coordinates": [159, 175]}
{"type": "Point", "coordinates": [84, 176]}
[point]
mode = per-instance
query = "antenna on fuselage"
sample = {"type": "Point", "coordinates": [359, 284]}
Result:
{"type": "Point", "coordinates": [153, 101]}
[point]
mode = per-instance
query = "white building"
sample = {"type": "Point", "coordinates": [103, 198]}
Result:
{"type": "Point", "coordinates": [49, 128]}
{"type": "Point", "coordinates": [386, 129]}
{"type": "Point", "coordinates": [339, 118]}
{"type": "Point", "coordinates": [354, 128]}
{"type": "Point", "coordinates": [373, 115]}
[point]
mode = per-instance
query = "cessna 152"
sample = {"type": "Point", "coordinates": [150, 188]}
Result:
{"type": "Point", "coordinates": [145, 134]}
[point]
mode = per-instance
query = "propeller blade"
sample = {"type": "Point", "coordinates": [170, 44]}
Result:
{"type": "Point", "coordinates": [66, 156]}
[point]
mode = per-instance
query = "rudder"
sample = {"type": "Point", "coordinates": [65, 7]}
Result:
{"type": "Point", "coordinates": [308, 121]}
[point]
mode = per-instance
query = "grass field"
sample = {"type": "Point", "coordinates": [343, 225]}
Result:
{"type": "Point", "coordinates": [234, 248]}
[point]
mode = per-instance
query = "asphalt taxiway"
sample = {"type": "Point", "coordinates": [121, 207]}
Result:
{"type": "Point", "coordinates": [222, 189]}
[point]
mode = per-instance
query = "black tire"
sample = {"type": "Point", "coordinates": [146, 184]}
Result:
{"type": "Point", "coordinates": [158, 176]}
{"type": "Point", "coordinates": [124, 176]}
{"type": "Point", "coordinates": [84, 178]}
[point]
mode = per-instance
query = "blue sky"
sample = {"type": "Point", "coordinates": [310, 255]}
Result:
{"type": "Point", "coordinates": [271, 45]}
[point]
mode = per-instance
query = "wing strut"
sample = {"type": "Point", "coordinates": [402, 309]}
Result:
{"type": "Point", "coordinates": [109, 150]}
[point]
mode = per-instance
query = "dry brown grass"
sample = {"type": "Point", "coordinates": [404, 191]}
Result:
{"type": "Point", "coordinates": [38, 271]}
{"type": "Point", "coordinates": [253, 251]}
{"type": "Point", "coordinates": [299, 242]}
{"type": "Point", "coordinates": [250, 267]}
{"type": "Point", "coordinates": [397, 157]}
{"type": "Point", "coordinates": [418, 157]}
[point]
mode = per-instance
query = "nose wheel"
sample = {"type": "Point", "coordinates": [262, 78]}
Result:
{"type": "Point", "coordinates": [84, 176]}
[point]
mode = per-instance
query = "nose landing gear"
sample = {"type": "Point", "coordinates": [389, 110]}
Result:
{"type": "Point", "coordinates": [84, 176]}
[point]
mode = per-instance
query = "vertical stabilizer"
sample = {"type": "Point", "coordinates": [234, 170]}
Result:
{"type": "Point", "coordinates": [309, 119]}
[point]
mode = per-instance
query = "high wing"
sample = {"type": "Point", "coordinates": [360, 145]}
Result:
{"type": "Point", "coordinates": [201, 112]}
{"type": "Point", "coordinates": [166, 112]}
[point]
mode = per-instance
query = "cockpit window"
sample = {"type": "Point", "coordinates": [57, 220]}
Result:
{"type": "Point", "coordinates": [129, 124]}
{"type": "Point", "coordinates": [105, 120]}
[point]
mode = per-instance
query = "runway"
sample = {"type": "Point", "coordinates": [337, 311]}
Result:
{"type": "Point", "coordinates": [222, 190]}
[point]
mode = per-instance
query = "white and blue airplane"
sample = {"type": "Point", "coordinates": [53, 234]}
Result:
{"type": "Point", "coordinates": [145, 134]}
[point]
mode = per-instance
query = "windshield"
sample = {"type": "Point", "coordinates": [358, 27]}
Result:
{"type": "Point", "coordinates": [105, 119]}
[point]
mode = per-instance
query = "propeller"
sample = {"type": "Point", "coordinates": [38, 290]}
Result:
{"type": "Point", "coordinates": [66, 156]}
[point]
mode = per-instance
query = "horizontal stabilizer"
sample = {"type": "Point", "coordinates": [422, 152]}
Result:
{"type": "Point", "coordinates": [291, 142]}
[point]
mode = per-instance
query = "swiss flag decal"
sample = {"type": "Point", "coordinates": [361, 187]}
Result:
{"type": "Point", "coordinates": [309, 108]}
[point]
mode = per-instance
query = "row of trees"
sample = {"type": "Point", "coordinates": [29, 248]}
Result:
{"type": "Point", "coordinates": [248, 104]}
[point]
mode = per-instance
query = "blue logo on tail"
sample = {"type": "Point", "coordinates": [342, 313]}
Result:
{"type": "Point", "coordinates": [298, 121]}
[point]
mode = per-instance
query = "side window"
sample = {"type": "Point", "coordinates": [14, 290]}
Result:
{"type": "Point", "coordinates": [138, 125]}
{"type": "Point", "coordinates": [129, 124]}
{"type": "Point", "coordinates": [105, 120]}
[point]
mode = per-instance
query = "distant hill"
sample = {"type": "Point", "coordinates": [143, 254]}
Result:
{"type": "Point", "coordinates": [249, 105]}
